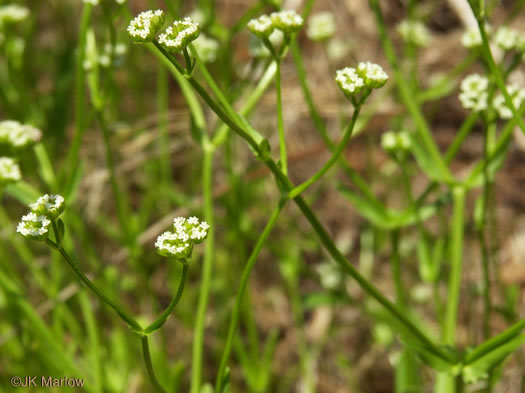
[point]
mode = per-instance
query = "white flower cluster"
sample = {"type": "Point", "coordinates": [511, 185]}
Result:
{"type": "Point", "coordinates": [178, 36]}
{"type": "Point", "coordinates": [15, 136]}
{"type": "Point", "coordinates": [349, 81]}
{"type": "Point", "coordinates": [288, 22]}
{"type": "Point", "coordinates": [414, 32]}
{"type": "Point", "coordinates": [35, 225]}
{"type": "Point", "coordinates": [353, 81]}
{"type": "Point", "coordinates": [9, 171]}
{"type": "Point", "coordinates": [207, 48]}
{"type": "Point", "coordinates": [116, 53]}
{"type": "Point", "coordinates": [507, 38]}
{"type": "Point", "coordinates": [179, 242]}
{"type": "Point", "coordinates": [92, 2]}
{"type": "Point", "coordinates": [373, 74]}
{"type": "Point", "coordinates": [392, 141]}
{"type": "Point", "coordinates": [146, 25]}
{"type": "Point", "coordinates": [474, 92]}
{"type": "Point", "coordinates": [12, 13]}
{"type": "Point", "coordinates": [262, 26]}
{"type": "Point", "coordinates": [50, 206]}
{"type": "Point", "coordinates": [321, 26]}
{"type": "Point", "coordinates": [517, 95]}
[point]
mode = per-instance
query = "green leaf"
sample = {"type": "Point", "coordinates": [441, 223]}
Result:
{"type": "Point", "coordinates": [424, 160]}
{"type": "Point", "coordinates": [23, 192]}
{"type": "Point", "coordinates": [377, 215]}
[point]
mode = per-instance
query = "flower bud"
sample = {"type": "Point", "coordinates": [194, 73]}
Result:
{"type": "Point", "coordinates": [146, 25]}
{"type": "Point", "coordinates": [414, 32]}
{"type": "Point", "coordinates": [179, 35]}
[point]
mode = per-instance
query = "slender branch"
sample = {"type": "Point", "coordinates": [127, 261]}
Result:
{"type": "Point", "coordinates": [126, 317]}
{"type": "Point", "coordinates": [234, 320]}
{"type": "Point", "coordinates": [149, 365]}
{"type": "Point", "coordinates": [280, 122]}
{"type": "Point", "coordinates": [333, 159]}
{"type": "Point", "coordinates": [164, 316]}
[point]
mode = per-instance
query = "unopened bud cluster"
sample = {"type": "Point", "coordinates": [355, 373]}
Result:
{"type": "Point", "coordinates": [414, 32]}
{"type": "Point", "coordinates": [179, 242]}
{"type": "Point", "coordinates": [12, 13]}
{"type": "Point", "coordinates": [321, 26]}
{"type": "Point", "coordinates": [36, 224]}
{"type": "Point", "coordinates": [366, 77]}
{"type": "Point", "coordinates": [395, 141]}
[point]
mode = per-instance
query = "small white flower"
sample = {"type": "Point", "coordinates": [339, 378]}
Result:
{"type": "Point", "coordinates": [179, 35]}
{"type": "Point", "coordinates": [474, 92]}
{"type": "Point", "coordinates": [518, 96]}
{"type": "Point", "coordinates": [9, 171]}
{"type": "Point", "coordinates": [207, 48]}
{"type": "Point", "coordinates": [506, 38]}
{"type": "Point", "coordinates": [349, 81]}
{"type": "Point", "coordinates": [321, 26]}
{"type": "Point", "coordinates": [414, 32]}
{"type": "Point", "coordinates": [373, 74]}
{"type": "Point", "coordinates": [288, 21]}
{"type": "Point", "coordinates": [50, 206]}
{"type": "Point", "coordinates": [92, 2]}
{"type": "Point", "coordinates": [179, 242]}
{"type": "Point", "coordinates": [262, 26]}
{"type": "Point", "coordinates": [12, 13]}
{"type": "Point", "coordinates": [33, 226]}
{"type": "Point", "coordinates": [16, 136]}
{"type": "Point", "coordinates": [146, 25]}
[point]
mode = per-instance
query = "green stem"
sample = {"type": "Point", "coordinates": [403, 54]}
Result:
{"type": "Point", "coordinates": [280, 122]}
{"type": "Point", "coordinates": [157, 324]}
{"type": "Point", "coordinates": [407, 95]}
{"type": "Point", "coordinates": [126, 317]}
{"type": "Point", "coordinates": [80, 89]}
{"type": "Point", "coordinates": [198, 338]}
{"type": "Point", "coordinates": [456, 261]}
{"type": "Point", "coordinates": [234, 321]}
{"type": "Point", "coordinates": [396, 270]}
{"type": "Point", "coordinates": [119, 198]}
{"type": "Point", "coordinates": [237, 125]}
{"type": "Point", "coordinates": [149, 365]}
{"type": "Point", "coordinates": [333, 159]}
